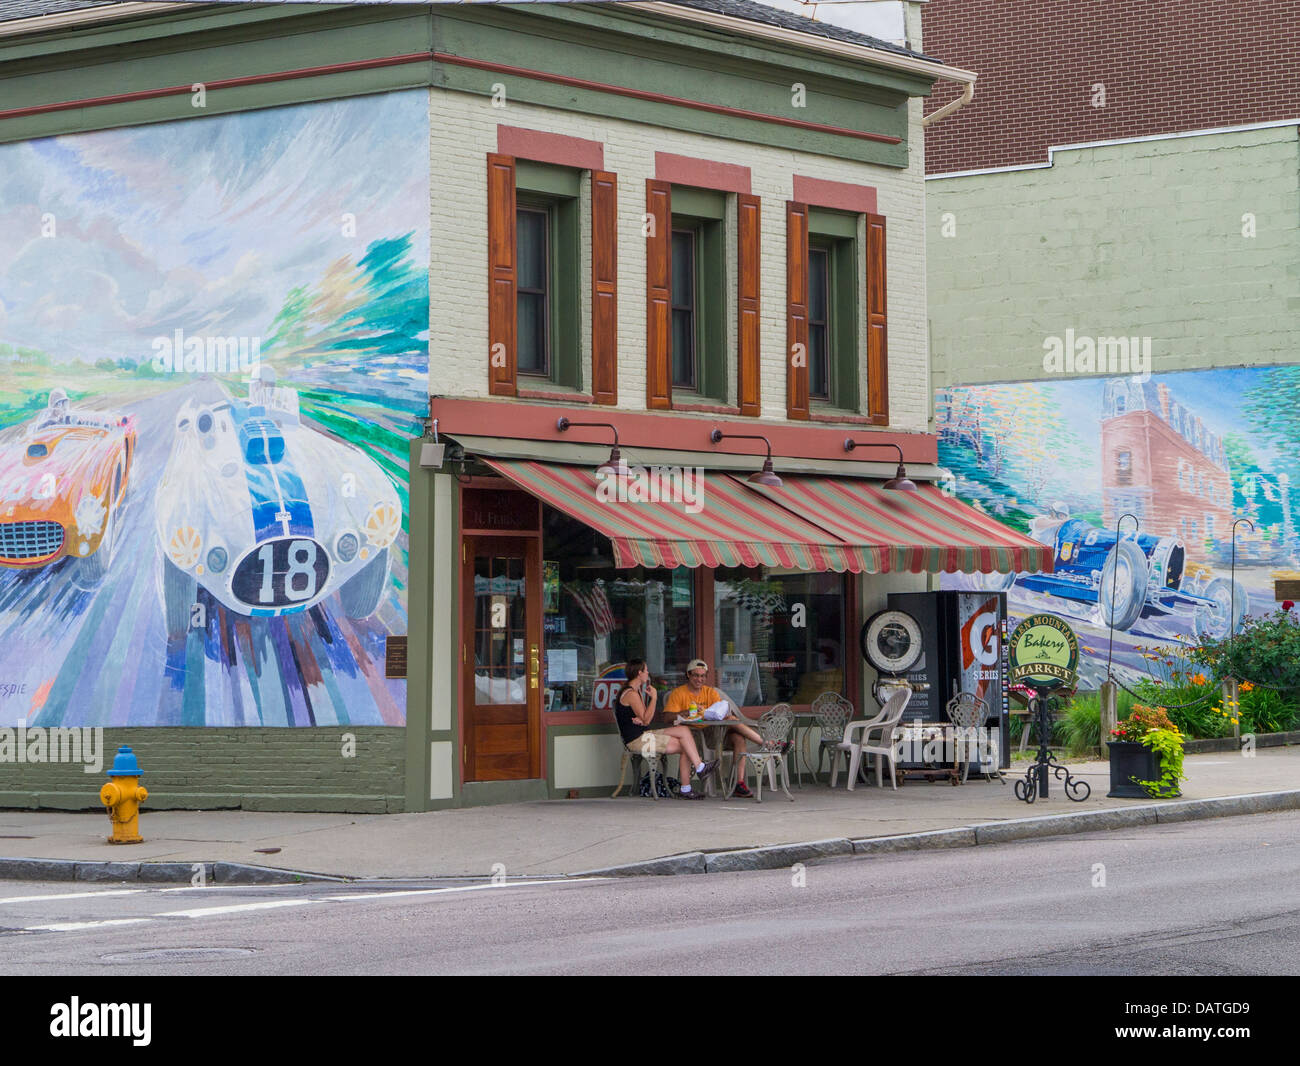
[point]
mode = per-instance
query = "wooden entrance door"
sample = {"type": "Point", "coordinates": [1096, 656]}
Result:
{"type": "Point", "coordinates": [502, 627]}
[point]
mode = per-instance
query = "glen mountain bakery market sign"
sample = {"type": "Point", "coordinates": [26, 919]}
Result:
{"type": "Point", "coordinates": [1044, 653]}
{"type": "Point", "coordinates": [1044, 656]}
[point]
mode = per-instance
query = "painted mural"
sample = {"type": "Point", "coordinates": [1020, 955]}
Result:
{"type": "Point", "coordinates": [1184, 455]}
{"type": "Point", "coordinates": [213, 351]}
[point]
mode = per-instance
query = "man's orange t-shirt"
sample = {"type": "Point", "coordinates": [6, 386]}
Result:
{"type": "Point", "coordinates": [680, 699]}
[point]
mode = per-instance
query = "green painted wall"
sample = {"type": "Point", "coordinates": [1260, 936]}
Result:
{"type": "Point", "coordinates": [251, 769]}
{"type": "Point", "coordinates": [1137, 239]}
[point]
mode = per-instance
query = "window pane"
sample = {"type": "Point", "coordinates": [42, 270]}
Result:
{"type": "Point", "coordinates": [683, 309]}
{"type": "Point", "coordinates": [683, 350]}
{"type": "Point", "coordinates": [763, 657]}
{"type": "Point", "coordinates": [683, 268]}
{"type": "Point", "coordinates": [600, 616]}
{"type": "Point", "coordinates": [819, 384]}
{"type": "Point", "coordinates": [818, 283]}
{"type": "Point", "coordinates": [531, 340]}
{"type": "Point", "coordinates": [530, 236]}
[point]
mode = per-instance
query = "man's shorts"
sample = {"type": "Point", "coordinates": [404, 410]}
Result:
{"type": "Point", "coordinates": [651, 742]}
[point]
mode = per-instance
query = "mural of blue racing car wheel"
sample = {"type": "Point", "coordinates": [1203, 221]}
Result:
{"type": "Point", "coordinates": [1216, 622]}
{"type": "Point", "coordinates": [1123, 590]}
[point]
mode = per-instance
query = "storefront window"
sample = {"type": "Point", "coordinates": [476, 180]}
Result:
{"type": "Point", "coordinates": [780, 637]}
{"type": "Point", "coordinates": [596, 616]}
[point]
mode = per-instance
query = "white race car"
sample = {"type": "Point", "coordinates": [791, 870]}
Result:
{"type": "Point", "coordinates": [267, 515]}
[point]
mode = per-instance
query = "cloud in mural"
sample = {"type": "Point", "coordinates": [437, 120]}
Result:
{"type": "Point", "coordinates": [203, 225]}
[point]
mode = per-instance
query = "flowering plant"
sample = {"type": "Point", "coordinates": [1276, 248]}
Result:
{"type": "Point", "coordinates": [1152, 728]}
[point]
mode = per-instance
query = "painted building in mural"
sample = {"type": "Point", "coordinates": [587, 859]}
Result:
{"type": "Point", "coordinates": [1115, 332]}
{"type": "Point", "coordinates": [236, 279]}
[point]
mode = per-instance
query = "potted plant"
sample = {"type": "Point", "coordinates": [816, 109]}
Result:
{"type": "Point", "coordinates": [1146, 756]}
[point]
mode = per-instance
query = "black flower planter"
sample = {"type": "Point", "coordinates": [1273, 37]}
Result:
{"type": "Point", "coordinates": [1131, 762]}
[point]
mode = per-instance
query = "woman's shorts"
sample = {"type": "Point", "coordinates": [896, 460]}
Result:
{"type": "Point", "coordinates": [651, 742]}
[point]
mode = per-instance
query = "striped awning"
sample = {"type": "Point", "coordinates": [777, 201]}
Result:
{"type": "Point", "coordinates": [921, 532]}
{"type": "Point", "coordinates": [711, 519]}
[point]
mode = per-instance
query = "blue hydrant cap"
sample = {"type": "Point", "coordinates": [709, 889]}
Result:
{"type": "Point", "coordinates": [125, 765]}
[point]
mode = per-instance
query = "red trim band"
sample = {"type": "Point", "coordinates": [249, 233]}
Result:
{"type": "Point", "coordinates": [442, 57]}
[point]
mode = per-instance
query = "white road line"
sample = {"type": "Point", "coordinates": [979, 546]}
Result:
{"type": "Point", "coordinates": [67, 927]}
{"type": "Point", "coordinates": [234, 908]}
{"type": "Point", "coordinates": [439, 891]}
{"type": "Point", "coordinates": [73, 895]}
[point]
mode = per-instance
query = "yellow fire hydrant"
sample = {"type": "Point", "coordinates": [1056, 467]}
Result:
{"type": "Point", "coordinates": [123, 798]}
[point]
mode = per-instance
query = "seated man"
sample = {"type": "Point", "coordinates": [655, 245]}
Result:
{"type": "Point", "coordinates": [702, 695]}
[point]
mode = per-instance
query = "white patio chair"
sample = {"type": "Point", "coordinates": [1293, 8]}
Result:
{"type": "Point", "coordinates": [774, 727]}
{"type": "Point", "coordinates": [874, 736]}
{"type": "Point", "coordinates": [833, 713]}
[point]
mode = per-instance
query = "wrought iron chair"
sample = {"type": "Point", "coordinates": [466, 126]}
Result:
{"type": "Point", "coordinates": [969, 713]}
{"type": "Point", "coordinates": [774, 727]}
{"type": "Point", "coordinates": [654, 758]}
{"type": "Point", "coordinates": [833, 712]}
{"type": "Point", "coordinates": [874, 736]}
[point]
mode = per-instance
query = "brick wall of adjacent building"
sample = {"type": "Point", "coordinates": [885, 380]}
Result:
{"type": "Point", "coordinates": [1166, 66]}
{"type": "Point", "coordinates": [464, 132]}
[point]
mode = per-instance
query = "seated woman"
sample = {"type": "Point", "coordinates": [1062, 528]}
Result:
{"type": "Point", "coordinates": [634, 710]}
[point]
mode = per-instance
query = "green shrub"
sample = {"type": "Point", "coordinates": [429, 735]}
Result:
{"type": "Point", "coordinates": [1265, 710]}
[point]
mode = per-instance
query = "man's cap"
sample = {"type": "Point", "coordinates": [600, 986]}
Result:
{"type": "Point", "coordinates": [697, 664]}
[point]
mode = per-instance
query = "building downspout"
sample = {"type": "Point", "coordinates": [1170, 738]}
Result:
{"type": "Point", "coordinates": [967, 93]}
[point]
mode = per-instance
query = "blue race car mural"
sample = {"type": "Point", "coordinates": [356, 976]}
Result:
{"type": "Point", "coordinates": [1130, 576]}
{"type": "Point", "coordinates": [268, 515]}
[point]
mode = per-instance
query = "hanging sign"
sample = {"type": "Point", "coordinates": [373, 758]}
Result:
{"type": "Point", "coordinates": [1044, 653]}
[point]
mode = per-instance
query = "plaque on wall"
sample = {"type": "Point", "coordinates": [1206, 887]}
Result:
{"type": "Point", "coordinates": [395, 656]}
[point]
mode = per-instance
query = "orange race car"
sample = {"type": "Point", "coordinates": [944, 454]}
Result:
{"type": "Point", "coordinates": [62, 484]}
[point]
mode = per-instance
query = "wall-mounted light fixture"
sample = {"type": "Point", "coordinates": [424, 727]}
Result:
{"type": "Point", "coordinates": [900, 482]}
{"type": "Point", "coordinates": [615, 464]}
{"type": "Point", "coordinates": [766, 476]}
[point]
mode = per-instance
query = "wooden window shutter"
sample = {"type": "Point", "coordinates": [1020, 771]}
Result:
{"type": "Point", "coordinates": [796, 353]}
{"type": "Point", "coordinates": [502, 310]}
{"type": "Point", "coordinates": [604, 287]}
{"type": "Point", "coordinates": [658, 264]}
{"type": "Point", "coordinates": [877, 333]}
{"type": "Point", "coordinates": [748, 254]}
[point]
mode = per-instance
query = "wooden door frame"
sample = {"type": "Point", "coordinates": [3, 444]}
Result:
{"type": "Point", "coordinates": [529, 546]}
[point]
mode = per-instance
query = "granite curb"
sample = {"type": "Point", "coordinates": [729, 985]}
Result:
{"type": "Point", "coordinates": [221, 873]}
{"type": "Point", "coordinates": [1052, 825]}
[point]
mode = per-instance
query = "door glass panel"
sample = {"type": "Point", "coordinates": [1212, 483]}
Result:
{"type": "Point", "coordinates": [500, 633]}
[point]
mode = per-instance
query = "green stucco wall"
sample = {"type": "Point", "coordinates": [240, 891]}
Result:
{"type": "Point", "coordinates": [1133, 239]}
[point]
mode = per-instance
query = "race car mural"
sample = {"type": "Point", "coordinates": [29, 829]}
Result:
{"type": "Point", "coordinates": [63, 485]}
{"type": "Point", "coordinates": [1129, 577]}
{"type": "Point", "coordinates": [267, 515]}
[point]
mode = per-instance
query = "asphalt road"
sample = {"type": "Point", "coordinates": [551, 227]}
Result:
{"type": "Point", "coordinates": [1216, 897]}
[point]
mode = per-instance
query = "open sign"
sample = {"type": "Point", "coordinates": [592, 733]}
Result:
{"type": "Point", "coordinates": [604, 691]}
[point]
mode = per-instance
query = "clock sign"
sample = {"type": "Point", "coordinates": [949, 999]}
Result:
{"type": "Point", "coordinates": [1044, 653]}
{"type": "Point", "coordinates": [891, 641]}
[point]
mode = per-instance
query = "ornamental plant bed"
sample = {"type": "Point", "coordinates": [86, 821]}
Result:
{"type": "Point", "coordinates": [1146, 756]}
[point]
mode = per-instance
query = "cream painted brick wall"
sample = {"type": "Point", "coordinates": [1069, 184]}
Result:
{"type": "Point", "coordinates": [463, 132]}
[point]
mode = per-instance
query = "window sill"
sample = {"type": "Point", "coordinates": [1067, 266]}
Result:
{"type": "Point", "coordinates": [704, 408]}
{"type": "Point", "coordinates": [846, 418]}
{"type": "Point", "coordinates": [561, 395]}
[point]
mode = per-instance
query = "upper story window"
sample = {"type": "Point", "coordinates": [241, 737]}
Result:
{"type": "Point", "coordinates": [697, 295]}
{"type": "Point", "coordinates": [835, 289]}
{"type": "Point", "coordinates": [538, 277]}
{"type": "Point", "coordinates": [684, 259]}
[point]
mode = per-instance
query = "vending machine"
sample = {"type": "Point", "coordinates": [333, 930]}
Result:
{"type": "Point", "coordinates": [963, 638]}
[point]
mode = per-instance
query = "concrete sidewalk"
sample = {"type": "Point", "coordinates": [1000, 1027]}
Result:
{"type": "Point", "coordinates": [572, 836]}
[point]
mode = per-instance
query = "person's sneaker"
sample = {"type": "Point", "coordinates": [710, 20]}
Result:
{"type": "Point", "coordinates": [709, 767]}
{"type": "Point", "coordinates": [691, 795]}
{"type": "Point", "coordinates": [742, 791]}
